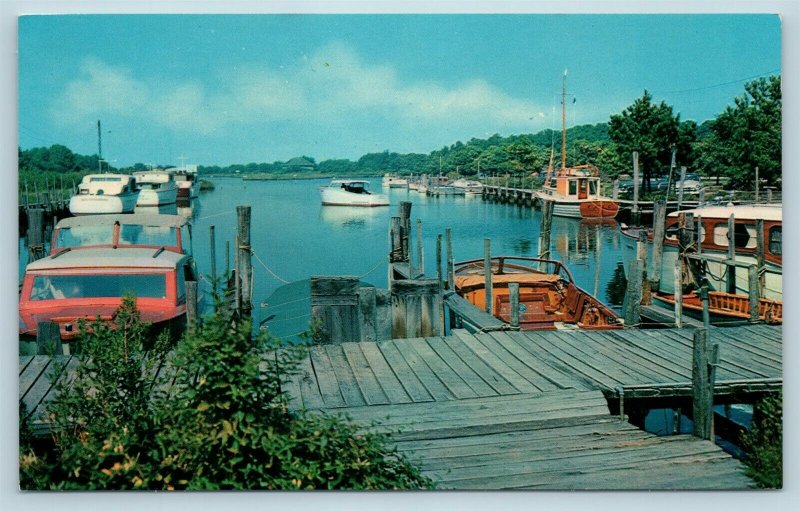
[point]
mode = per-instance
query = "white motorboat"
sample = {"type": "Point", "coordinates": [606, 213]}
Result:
{"type": "Point", "coordinates": [156, 188]}
{"type": "Point", "coordinates": [469, 187]}
{"type": "Point", "coordinates": [104, 194]}
{"type": "Point", "coordinates": [187, 183]}
{"type": "Point", "coordinates": [392, 181]}
{"type": "Point", "coordinates": [351, 192]}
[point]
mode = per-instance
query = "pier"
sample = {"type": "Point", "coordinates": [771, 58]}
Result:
{"type": "Point", "coordinates": [543, 410]}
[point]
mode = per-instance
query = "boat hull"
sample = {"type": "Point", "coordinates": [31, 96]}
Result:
{"type": "Point", "coordinates": [338, 197]}
{"type": "Point", "coordinates": [88, 204]}
{"type": "Point", "coordinates": [158, 197]}
{"type": "Point", "coordinates": [724, 307]}
{"type": "Point", "coordinates": [591, 208]}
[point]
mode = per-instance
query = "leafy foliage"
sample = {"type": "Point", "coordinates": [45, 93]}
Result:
{"type": "Point", "coordinates": [764, 443]}
{"type": "Point", "coordinates": [747, 135]}
{"type": "Point", "coordinates": [217, 419]}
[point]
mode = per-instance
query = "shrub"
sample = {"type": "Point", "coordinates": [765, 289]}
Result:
{"type": "Point", "coordinates": [764, 443]}
{"type": "Point", "coordinates": [216, 417]}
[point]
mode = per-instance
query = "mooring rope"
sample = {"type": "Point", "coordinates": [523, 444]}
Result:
{"type": "Point", "coordinates": [267, 267]}
{"type": "Point", "coordinates": [380, 262]}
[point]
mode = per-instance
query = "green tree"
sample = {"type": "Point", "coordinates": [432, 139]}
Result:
{"type": "Point", "coordinates": [747, 135]}
{"type": "Point", "coordinates": [652, 130]}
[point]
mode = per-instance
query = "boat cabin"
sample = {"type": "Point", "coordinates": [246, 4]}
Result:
{"type": "Point", "coordinates": [714, 235]}
{"type": "Point", "coordinates": [153, 179]}
{"type": "Point", "coordinates": [76, 285]}
{"type": "Point", "coordinates": [172, 232]}
{"type": "Point", "coordinates": [353, 186]}
{"type": "Point", "coordinates": [574, 184]}
{"type": "Point", "coordinates": [107, 184]}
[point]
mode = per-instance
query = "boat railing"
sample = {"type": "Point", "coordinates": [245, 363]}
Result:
{"type": "Point", "coordinates": [515, 264]}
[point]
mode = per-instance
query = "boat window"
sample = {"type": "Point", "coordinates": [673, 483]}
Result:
{"type": "Point", "coordinates": [573, 187]}
{"type": "Point", "coordinates": [132, 234]}
{"type": "Point", "coordinates": [744, 236]}
{"type": "Point", "coordinates": [105, 179]}
{"type": "Point", "coordinates": [84, 235]}
{"type": "Point", "coordinates": [592, 187]}
{"type": "Point", "coordinates": [775, 240]}
{"type": "Point", "coordinates": [553, 183]}
{"type": "Point", "coordinates": [58, 287]}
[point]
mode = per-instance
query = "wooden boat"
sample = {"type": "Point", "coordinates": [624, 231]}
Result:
{"type": "Point", "coordinates": [351, 192]}
{"type": "Point", "coordinates": [147, 230]}
{"type": "Point", "coordinates": [85, 284]}
{"type": "Point", "coordinates": [576, 191]}
{"type": "Point", "coordinates": [725, 307]}
{"type": "Point", "coordinates": [156, 188]}
{"type": "Point", "coordinates": [548, 297]}
{"type": "Point", "coordinates": [104, 194]}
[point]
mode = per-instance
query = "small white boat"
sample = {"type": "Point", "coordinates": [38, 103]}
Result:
{"type": "Point", "coordinates": [156, 188]}
{"type": "Point", "coordinates": [391, 181]}
{"type": "Point", "coordinates": [469, 187]}
{"type": "Point", "coordinates": [351, 192]}
{"type": "Point", "coordinates": [104, 194]}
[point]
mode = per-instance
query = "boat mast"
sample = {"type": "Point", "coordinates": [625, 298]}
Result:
{"type": "Point", "coordinates": [564, 123]}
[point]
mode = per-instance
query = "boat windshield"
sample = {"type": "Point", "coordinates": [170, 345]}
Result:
{"type": "Point", "coordinates": [84, 235]}
{"type": "Point", "coordinates": [592, 187]}
{"type": "Point", "coordinates": [355, 187]}
{"type": "Point", "coordinates": [132, 234]}
{"type": "Point", "coordinates": [57, 287]}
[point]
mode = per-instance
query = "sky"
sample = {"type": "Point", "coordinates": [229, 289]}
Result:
{"type": "Point", "coordinates": [225, 89]}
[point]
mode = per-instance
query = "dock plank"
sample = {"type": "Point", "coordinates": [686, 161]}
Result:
{"type": "Point", "coordinates": [446, 353]}
{"type": "Point", "coordinates": [469, 358]}
{"type": "Point", "coordinates": [454, 383]}
{"type": "Point", "coordinates": [432, 384]}
{"type": "Point", "coordinates": [412, 385]}
{"type": "Point", "coordinates": [387, 378]}
{"type": "Point", "coordinates": [493, 361]}
{"type": "Point", "coordinates": [367, 382]}
{"type": "Point", "coordinates": [345, 377]}
{"type": "Point", "coordinates": [326, 378]}
{"type": "Point", "coordinates": [503, 347]}
{"type": "Point", "coordinates": [308, 385]}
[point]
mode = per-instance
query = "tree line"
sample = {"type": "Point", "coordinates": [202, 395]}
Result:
{"type": "Point", "coordinates": [744, 136]}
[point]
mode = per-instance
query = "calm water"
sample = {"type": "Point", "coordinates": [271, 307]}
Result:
{"type": "Point", "coordinates": [294, 236]}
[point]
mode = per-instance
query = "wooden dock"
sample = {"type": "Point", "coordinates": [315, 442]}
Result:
{"type": "Point", "coordinates": [528, 409]}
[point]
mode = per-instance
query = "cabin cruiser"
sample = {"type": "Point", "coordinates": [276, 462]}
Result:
{"type": "Point", "coordinates": [104, 193]}
{"type": "Point", "coordinates": [156, 188]}
{"type": "Point", "coordinates": [186, 182]}
{"type": "Point", "coordinates": [351, 192]}
{"type": "Point", "coordinates": [469, 187]}
{"type": "Point", "coordinates": [392, 181]}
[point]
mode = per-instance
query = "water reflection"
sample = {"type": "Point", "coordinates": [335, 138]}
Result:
{"type": "Point", "coordinates": [350, 217]}
{"type": "Point", "coordinates": [615, 289]}
{"type": "Point", "coordinates": [163, 209]}
{"type": "Point", "coordinates": [187, 207]}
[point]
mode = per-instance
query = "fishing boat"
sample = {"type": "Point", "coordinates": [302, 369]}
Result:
{"type": "Point", "coordinates": [393, 181]}
{"type": "Point", "coordinates": [143, 230]}
{"type": "Point", "coordinates": [104, 193]}
{"type": "Point", "coordinates": [156, 188]}
{"type": "Point", "coordinates": [351, 192]}
{"type": "Point", "coordinates": [724, 307]}
{"type": "Point", "coordinates": [548, 297]}
{"type": "Point", "coordinates": [82, 285]}
{"type": "Point", "coordinates": [469, 187]}
{"type": "Point", "coordinates": [576, 191]}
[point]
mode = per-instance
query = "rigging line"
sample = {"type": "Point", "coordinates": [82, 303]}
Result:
{"type": "Point", "coordinates": [216, 214]}
{"type": "Point", "coordinates": [267, 268]}
{"type": "Point", "coordinates": [718, 84]}
{"type": "Point", "coordinates": [372, 269]}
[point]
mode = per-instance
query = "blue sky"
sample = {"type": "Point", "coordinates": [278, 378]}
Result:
{"type": "Point", "coordinates": [223, 89]}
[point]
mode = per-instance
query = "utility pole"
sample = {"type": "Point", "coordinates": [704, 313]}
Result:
{"type": "Point", "coordinates": [99, 148]}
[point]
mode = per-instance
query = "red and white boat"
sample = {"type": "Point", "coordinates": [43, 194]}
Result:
{"type": "Point", "coordinates": [576, 191]}
{"type": "Point", "coordinates": [186, 179]}
{"type": "Point", "coordinates": [75, 285]}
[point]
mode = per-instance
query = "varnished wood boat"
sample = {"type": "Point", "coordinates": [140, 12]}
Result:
{"type": "Point", "coordinates": [548, 297]}
{"type": "Point", "coordinates": [724, 307]}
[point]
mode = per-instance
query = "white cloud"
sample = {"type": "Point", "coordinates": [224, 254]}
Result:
{"type": "Point", "coordinates": [332, 87]}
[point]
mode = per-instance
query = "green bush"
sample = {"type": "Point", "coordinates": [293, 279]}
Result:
{"type": "Point", "coordinates": [764, 443]}
{"type": "Point", "coordinates": [216, 417]}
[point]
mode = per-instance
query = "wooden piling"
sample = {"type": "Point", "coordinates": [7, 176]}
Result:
{"type": "Point", "coordinates": [449, 242]}
{"type": "Point", "coordinates": [641, 255]}
{"type": "Point", "coordinates": [48, 339]}
{"type": "Point", "coordinates": [420, 261]}
{"type": "Point", "coordinates": [439, 259]}
{"type": "Point", "coordinates": [405, 217]}
{"type": "Point", "coordinates": [633, 295]}
{"type": "Point", "coordinates": [760, 258]}
{"type": "Point", "coordinates": [367, 314]}
{"type": "Point", "coordinates": [513, 293]}
{"type": "Point", "coordinates": [678, 293]}
{"type": "Point", "coordinates": [487, 275]}
{"type": "Point", "coordinates": [227, 257]}
{"type": "Point", "coordinates": [35, 234]}
{"type": "Point", "coordinates": [731, 254]}
{"type": "Point", "coordinates": [635, 215]}
{"type": "Point", "coordinates": [213, 256]}
{"type": "Point", "coordinates": [756, 196]}
{"type": "Point", "coordinates": [245, 261]}
{"type": "Point", "coordinates": [415, 308]}
{"type": "Point", "coordinates": [753, 292]}
{"type": "Point", "coordinates": [701, 392]}
{"type": "Point", "coordinates": [191, 306]}
{"type": "Point", "coordinates": [334, 303]}
{"type": "Point", "coordinates": [659, 220]}
{"type": "Point", "coordinates": [699, 232]}
{"type": "Point", "coordinates": [680, 188]}
{"type": "Point", "coordinates": [396, 240]}
{"type": "Point", "coordinates": [544, 231]}
{"type": "Point", "coordinates": [615, 190]}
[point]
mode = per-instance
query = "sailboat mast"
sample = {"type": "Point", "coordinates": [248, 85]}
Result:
{"type": "Point", "coordinates": [564, 122]}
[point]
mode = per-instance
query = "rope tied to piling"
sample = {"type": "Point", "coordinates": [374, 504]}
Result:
{"type": "Point", "coordinates": [265, 266]}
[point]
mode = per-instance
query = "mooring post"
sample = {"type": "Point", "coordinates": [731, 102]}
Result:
{"type": "Point", "coordinates": [449, 242]}
{"type": "Point", "coordinates": [659, 220]}
{"type": "Point", "coordinates": [213, 255]}
{"type": "Point", "coordinates": [633, 295]}
{"type": "Point", "coordinates": [439, 259]}
{"type": "Point", "coordinates": [405, 215]}
{"type": "Point", "coordinates": [513, 303]}
{"type": "Point", "coordinates": [615, 190]}
{"type": "Point", "coordinates": [191, 306]}
{"type": "Point", "coordinates": [760, 258]}
{"type": "Point", "coordinates": [641, 255]}
{"type": "Point", "coordinates": [756, 184]}
{"type": "Point", "coordinates": [544, 235]}
{"type": "Point", "coordinates": [769, 194]}
{"type": "Point", "coordinates": [704, 301]}
{"type": "Point", "coordinates": [701, 406]}
{"type": "Point", "coordinates": [487, 274]}
{"type": "Point", "coordinates": [678, 293]}
{"type": "Point", "coordinates": [48, 338]}
{"type": "Point", "coordinates": [396, 237]}
{"type": "Point", "coordinates": [420, 261]}
{"type": "Point", "coordinates": [680, 188]}
{"type": "Point", "coordinates": [415, 308]}
{"type": "Point", "coordinates": [731, 254]}
{"type": "Point", "coordinates": [35, 233]}
{"type": "Point", "coordinates": [334, 303]}
{"type": "Point", "coordinates": [245, 261]}
{"type": "Point", "coordinates": [227, 257]}
{"type": "Point", "coordinates": [753, 292]}
{"type": "Point", "coordinates": [635, 217]}
{"type": "Point", "coordinates": [700, 234]}
{"type": "Point", "coordinates": [701, 199]}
